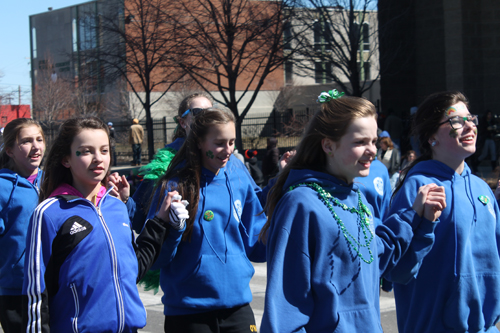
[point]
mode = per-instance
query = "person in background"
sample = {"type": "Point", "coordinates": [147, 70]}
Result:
{"type": "Point", "coordinates": [408, 159]}
{"type": "Point", "coordinates": [136, 136]}
{"type": "Point", "coordinates": [456, 286]}
{"type": "Point", "coordinates": [113, 141]}
{"type": "Point", "coordinates": [270, 161]}
{"type": "Point", "coordinates": [205, 268]}
{"type": "Point", "coordinates": [253, 166]}
{"type": "Point", "coordinates": [325, 256]}
{"type": "Point", "coordinates": [20, 180]}
{"type": "Point", "coordinates": [390, 156]}
{"type": "Point", "coordinates": [239, 156]}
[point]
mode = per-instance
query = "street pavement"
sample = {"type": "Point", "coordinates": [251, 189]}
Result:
{"type": "Point", "coordinates": [258, 285]}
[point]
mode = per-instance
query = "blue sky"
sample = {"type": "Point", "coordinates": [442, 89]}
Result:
{"type": "Point", "coordinates": [15, 42]}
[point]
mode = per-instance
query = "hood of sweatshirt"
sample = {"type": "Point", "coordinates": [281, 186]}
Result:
{"type": "Point", "coordinates": [328, 182]}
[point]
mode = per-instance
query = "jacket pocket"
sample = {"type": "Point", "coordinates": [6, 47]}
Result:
{"type": "Point", "coordinates": [473, 306]}
{"type": "Point", "coordinates": [77, 308]}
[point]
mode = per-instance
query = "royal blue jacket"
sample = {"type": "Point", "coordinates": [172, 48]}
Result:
{"type": "Point", "coordinates": [377, 189]}
{"type": "Point", "coordinates": [18, 199]}
{"type": "Point", "coordinates": [83, 264]}
{"type": "Point", "coordinates": [316, 280]}
{"type": "Point", "coordinates": [212, 270]}
{"type": "Point", "coordinates": [456, 288]}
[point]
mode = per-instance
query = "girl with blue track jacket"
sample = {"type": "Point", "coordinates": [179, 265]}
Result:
{"type": "Point", "coordinates": [206, 269]}
{"type": "Point", "coordinates": [82, 261]}
{"type": "Point", "coordinates": [325, 256]}
{"type": "Point", "coordinates": [456, 287]}
{"type": "Point", "coordinates": [20, 178]}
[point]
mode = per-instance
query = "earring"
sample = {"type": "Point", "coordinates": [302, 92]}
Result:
{"type": "Point", "coordinates": [434, 143]}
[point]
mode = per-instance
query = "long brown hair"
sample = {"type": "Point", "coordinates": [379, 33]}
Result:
{"type": "Point", "coordinates": [183, 107]}
{"type": "Point", "coordinates": [55, 173]}
{"type": "Point", "coordinates": [10, 137]}
{"type": "Point", "coordinates": [186, 165]}
{"type": "Point", "coordinates": [332, 122]}
{"type": "Point", "coordinates": [426, 123]}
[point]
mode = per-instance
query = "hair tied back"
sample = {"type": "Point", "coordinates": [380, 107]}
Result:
{"type": "Point", "coordinates": [328, 96]}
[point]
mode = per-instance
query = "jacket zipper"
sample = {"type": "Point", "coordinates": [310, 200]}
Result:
{"type": "Point", "coordinates": [121, 315]}
{"type": "Point", "coordinates": [77, 307]}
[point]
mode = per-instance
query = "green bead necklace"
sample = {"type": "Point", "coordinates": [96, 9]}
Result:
{"type": "Point", "coordinates": [363, 220]}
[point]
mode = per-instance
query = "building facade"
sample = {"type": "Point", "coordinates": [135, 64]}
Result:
{"type": "Point", "coordinates": [430, 46]}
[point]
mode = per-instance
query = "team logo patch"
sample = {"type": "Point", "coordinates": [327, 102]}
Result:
{"type": "Point", "coordinates": [378, 183]}
{"type": "Point", "coordinates": [237, 210]}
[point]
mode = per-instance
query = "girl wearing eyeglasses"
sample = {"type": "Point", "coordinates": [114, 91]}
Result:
{"type": "Point", "coordinates": [456, 288]}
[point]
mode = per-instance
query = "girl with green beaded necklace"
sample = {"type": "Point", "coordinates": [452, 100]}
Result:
{"type": "Point", "coordinates": [324, 255]}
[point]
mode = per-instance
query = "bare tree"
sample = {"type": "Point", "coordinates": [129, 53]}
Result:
{"type": "Point", "coordinates": [232, 47]}
{"type": "Point", "coordinates": [343, 44]}
{"type": "Point", "coordinates": [139, 46]}
{"type": "Point", "coordinates": [52, 96]}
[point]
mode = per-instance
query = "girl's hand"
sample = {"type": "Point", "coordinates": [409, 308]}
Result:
{"type": "Point", "coordinates": [173, 210]}
{"type": "Point", "coordinates": [285, 159]}
{"type": "Point", "coordinates": [430, 201]}
{"type": "Point", "coordinates": [120, 186]}
{"type": "Point", "coordinates": [497, 190]}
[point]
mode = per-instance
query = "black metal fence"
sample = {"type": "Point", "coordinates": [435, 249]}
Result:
{"type": "Point", "coordinates": [256, 128]}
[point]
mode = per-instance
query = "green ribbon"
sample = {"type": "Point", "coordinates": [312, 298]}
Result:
{"type": "Point", "coordinates": [328, 96]}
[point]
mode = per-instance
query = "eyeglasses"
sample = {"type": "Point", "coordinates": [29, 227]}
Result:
{"type": "Point", "coordinates": [194, 111]}
{"type": "Point", "coordinates": [458, 122]}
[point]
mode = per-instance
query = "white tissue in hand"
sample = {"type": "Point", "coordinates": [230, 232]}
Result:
{"type": "Point", "coordinates": [178, 214]}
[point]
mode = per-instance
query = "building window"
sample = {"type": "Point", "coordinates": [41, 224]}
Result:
{"type": "Point", "coordinates": [33, 42]}
{"type": "Point", "coordinates": [87, 29]}
{"type": "Point", "coordinates": [74, 35]}
{"type": "Point", "coordinates": [366, 36]}
{"type": "Point", "coordinates": [288, 72]}
{"type": "Point", "coordinates": [323, 72]}
{"type": "Point", "coordinates": [322, 35]}
{"type": "Point", "coordinates": [287, 36]}
{"type": "Point", "coordinates": [365, 72]}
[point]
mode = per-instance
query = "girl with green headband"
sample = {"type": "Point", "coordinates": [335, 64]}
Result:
{"type": "Point", "coordinates": [324, 255]}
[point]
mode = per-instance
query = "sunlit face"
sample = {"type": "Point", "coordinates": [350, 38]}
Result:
{"type": "Point", "coordinates": [197, 103]}
{"type": "Point", "coordinates": [454, 145]}
{"type": "Point", "coordinates": [28, 150]}
{"type": "Point", "coordinates": [352, 155]}
{"type": "Point", "coordinates": [89, 160]}
{"type": "Point", "coordinates": [217, 146]}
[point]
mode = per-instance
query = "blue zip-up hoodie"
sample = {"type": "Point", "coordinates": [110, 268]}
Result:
{"type": "Point", "coordinates": [457, 286]}
{"type": "Point", "coordinates": [316, 281]}
{"type": "Point", "coordinates": [82, 265]}
{"type": "Point", "coordinates": [212, 269]}
{"type": "Point", "coordinates": [18, 199]}
{"type": "Point", "coordinates": [377, 189]}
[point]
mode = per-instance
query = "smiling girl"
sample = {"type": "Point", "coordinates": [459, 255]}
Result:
{"type": "Point", "coordinates": [456, 288]}
{"type": "Point", "coordinates": [324, 255]}
{"type": "Point", "coordinates": [205, 270]}
{"type": "Point", "coordinates": [82, 261]}
{"type": "Point", "coordinates": [20, 178]}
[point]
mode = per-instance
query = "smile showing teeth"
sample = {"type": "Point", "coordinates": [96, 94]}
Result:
{"type": "Point", "coordinates": [467, 138]}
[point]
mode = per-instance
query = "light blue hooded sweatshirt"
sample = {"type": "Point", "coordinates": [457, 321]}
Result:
{"type": "Point", "coordinates": [18, 199]}
{"type": "Point", "coordinates": [456, 288]}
